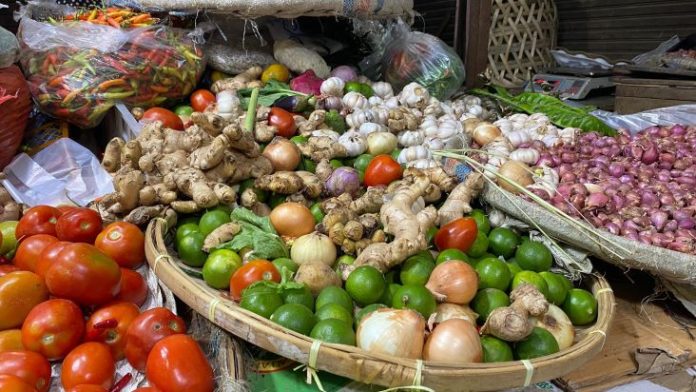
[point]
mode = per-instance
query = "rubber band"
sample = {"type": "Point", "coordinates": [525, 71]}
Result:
{"type": "Point", "coordinates": [417, 379]}
{"type": "Point", "coordinates": [530, 372]}
{"type": "Point", "coordinates": [604, 290]}
{"type": "Point", "coordinates": [211, 309]}
{"type": "Point", "coordinates": [311, 366]}
{"type": "Point", "coordinates": [157, 261]}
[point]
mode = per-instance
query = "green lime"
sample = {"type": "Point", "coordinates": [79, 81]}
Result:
{"type": "Point", "coordinates": [580, 306]}
{"type": "Point", "coordinates": [358, 87]}
{"type": "Point", "coordinates": [275, 200]}
{"type": "Point", "coordinates": [308, 165]}
{"type": "Point", "coordinates": [365, 311]}
{"type": "Point", "coordinates": [346, 259]}
{"type": "Point", "coordinates": [287, 263]}
{"type": "Point", "coordinates": [540, 343]}
{"type": "Point", "coordinates": [395, 154]}
{"type": "Point", "coordinates": [295, 317]}
{"type": "Point", "coordinates": [532, 278]}
{"type": "Point", "coordinates": [335, 163]}
{"type": "Point", "coordinates": [417, 298]}
{"type": "Point", "coordinates": [503, 242]}
{"type": "Point", "coordinates": [362, 161]}
{"type": "Point", "coordinates": [481, 219]}
{"type": "Point", "coordinates": [184, 219]}
{"type": "Point", "coordinates": [430, 235]}
{"type": "Point", "coordinates": [558, 286]}
{"type": "Point", "coordinates": [190, 249]}
{"type": "Point", "coordinates": [334, 311]}
{"type": "Point", "coordinates": [365, 285]}
{"type": "Point", "coordinates": [317, 212]}
{"type": "Point", "coordinates": [424, 254]}
{"type": "Point", "coordinates": [301, 296]}
{"type": "Point", "coordinates": [391, 277]}
{"type": "Point", "coordinates": [513, 267]}
{"type": "Point", "coordinates": [9, 239]}
{"type": "Point", "coordinates": [335, 295]}
{"type": "Point", "coordinates": [493, 273]}
{"type": "Point", "coordinates": [495, 350]}
{"type": "Point", "coordinates": [213, 219]}
{"type": "Point", "coordinates": [183, 110]}
{"type": "Point", "coordinates": [416, 270]}
{"type": "Point", "coordinates": [334, 331]}
{"type": "Point", "coordinates": [262, 301]}
{"type": "Point", "coordinates": [185, 229]}
{"type": "Point", "coordinates": [480, 245]}
{"type": "Point", "coordinates": [299, 139]}
{"type": "Point", "coordinates": [451, 254]}
{"type": "Point", "coordinates": [221, 207]}
{"type": "Point", "coordinates": [534, 256]}
{"type": "Point", "coordinates": [219, 267]}
{"type": "Point", "coordinates": [388, 295]}
{"type": "Point", "coordinates": [487, 300]}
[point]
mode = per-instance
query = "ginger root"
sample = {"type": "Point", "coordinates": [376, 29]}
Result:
{"type": "Point", "coordinates": [220, 235]}
{"type": "Point", "coordinates": [458, 201]}
{"type": "Point", "coordinates": [9, 209]}
{"type": "Point", "coordinates": [209, 122]}
{"type": "Point", "coordinates": [142, 215]}
{"type": "Point", "coordinates": [513, 323]}
{"type": "Point", "coordinates": [112, 154]}
{"type": "Point", "coordinates": [242, 80]}
{"type": "Point", "coordinates": [322, 147]}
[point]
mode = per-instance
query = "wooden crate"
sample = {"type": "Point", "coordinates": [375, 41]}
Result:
{"type": "Point", "coordinates": [636, 95]}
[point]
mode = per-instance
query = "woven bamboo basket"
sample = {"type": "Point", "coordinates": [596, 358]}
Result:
{"type": "Point", "coordinates": [357, 364]}
{"type": "Point", "coordinates": [521, 37]}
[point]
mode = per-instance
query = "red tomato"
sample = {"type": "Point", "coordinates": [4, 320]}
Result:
{"type": "Point", "coordinates": [177, 363]}
{"type": "Point", "coordinates": [84, 274]}
{"type": "Point", "coordinates": [382, 170]}
{"type": "Point", "coordinates": [201, 99]}
{"type": "Point", "coordinates": [20, 291]}
{"type": "Point", "coordinates": [284, 121]}
{"type": "Point", "coordinates": [146, 389]}
{"type": "Point", "coordinates": [88, 363]}
{"type": "Point", "coordinates": [7, 268]}
{"type": "Point", "coordinates": [87, 388]}
{"type": "Point", "coordinates": [133, 287]}
{"type": "Point", "coordinates": [37, 220]}
{"type": "Point", "coordinates": [29, 251]}
{"type": "Point", "coordinates": [49, 256]}
{"type": "Point", "coordinates": [79, 225]}
{"type": "Point", "coordinates": [31, 367]}
{"type": "Point", "coordinates": [14, 384]}
{"type": "Point", "coordinates": [459, 234]}
{"type": "Point", "coordinates": [53, 328]}
{"type": "Point", "coordinates": [148, 328]}
{"type": "Point", "coordinates": [168, 118]}
{"type": "Point", "coordinates": [65, 208]}
{"type": "Point", "coordinates": [109, 325]}
{"type": "Point", "coordinates": [124, 242]}
{"type": "Point", "coordinates": [251, 272]}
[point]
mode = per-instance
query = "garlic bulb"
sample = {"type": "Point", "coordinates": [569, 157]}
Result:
{"type": "Point", "coordinates": [375, 101]}
{"type": "Point", "coordinates": [391, 103]}
{"type": "Point", "coordinates": [354, 100]}
{"type": "Point", "coordinates": [313, 248]}
{"type": "Point", "coordinates": [411, 138]}
{"type": "Point", "coordinates": [361, 116]}
{"type": "Point", "coordinates": [569, 135]}
{"type": "Point", "coordinates": [354, 143]}
{"type": "Point", "coordinates": [518, 137]}
{"type": "Point", "coordinates": [228, 105]}
{"type": "Point", "coordinates": [414, 95]}
{"type": "Point", "coordinates": [383, 90]}
{"type": "Point", "coordinates": [432, 143]}
{"type": "Point", "coordinates": [370, 127]}
{"type": "Point", "coordinates": [445, 129]}
{"type": "Point", "coordinates": [413, 153]}
{"type": "Point", "coordinates": [330, 102]}
{"type": "Point", "coordinates": [505, 125]}
{"type": "Point", "coordinates": [434, 108]}
{"type": "Point", "coordinates": [332, 86]}
{"type": "Point", "coordinates": [381, 143]}
{"type": "Point", "coordinates": [422, 164]}
{"type": "Point", "coordinates": [551, 140]}
{"type": "Point", "coordinates": [527, 155]}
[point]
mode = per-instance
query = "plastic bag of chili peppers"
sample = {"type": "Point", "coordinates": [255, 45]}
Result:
{"type": "Point", "coordinates": [79, 65]}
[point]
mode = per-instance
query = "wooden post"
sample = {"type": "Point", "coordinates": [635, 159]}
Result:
{"type": "Point", "coordinates": [477, 25]}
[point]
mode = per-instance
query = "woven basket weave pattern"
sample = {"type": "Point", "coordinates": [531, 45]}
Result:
{"type": "Point", "coordinates": [521, 36]}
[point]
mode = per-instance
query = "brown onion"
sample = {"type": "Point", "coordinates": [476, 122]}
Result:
{"type": "Point", "coordinates": [453, 281]}
{"type": "Point", "coordinates": [485, 133]}
{"type": "Point", "coordinates": [455, 342]}
{"type": "Point", "coordinates": [283, 154]}
{"type": "Point", "coordinates": [517, 172]}
{"type": "Point", "coordinates": [445, 312]}
{"type": "Point", "coordinates": [395, 332]}
{"type": "Point", "coordinates": [292, 219]}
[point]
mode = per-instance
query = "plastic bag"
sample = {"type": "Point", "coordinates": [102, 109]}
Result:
{"type": "Point", "coordinates": [63, 173]}
{"type": "Point", "coordinates": [78, 69]}
{"type": "Point", "coordinates": [411, 56]}
{"type": "Point", "coordinates": [672, 115]}
{"type": "Point", "coordinates": [15, 105]}
{"type": "Point", "coordinates": [9, 48]}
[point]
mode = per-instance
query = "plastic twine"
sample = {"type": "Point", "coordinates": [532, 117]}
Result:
{"type": "Point", "coordinates": [311, 366]}
{"type": "Point", "coordinates": [211, 309]}
{"type": "Point", "coordinates": [530, 372]}
{"type": "Point", "coordinates": [417, 379]}
{"type": "Point", "coordinates": [157, 261]}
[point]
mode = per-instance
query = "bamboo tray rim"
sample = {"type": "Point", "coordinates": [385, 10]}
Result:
{"type": "Point", "coordinates": [399, 371]}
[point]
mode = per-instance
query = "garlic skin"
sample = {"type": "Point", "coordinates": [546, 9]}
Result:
{"type": "Point", "coordinates": [527, 155]}
{"type": "Point", "coordinates": [332, 86]}
{"type": "Point", "coordinates": [360, 116]}
{"type": "Point", "coordinates": [423, 164]}
{"type": "Point", "coordinates": [415, 96]}
{"type": "Point", "coordinates": [370, 127]}
{"type": "Point", "coordinates": [375, 101]}
{"type": "Point", "coordinates": [391, 103]}
{"type": "Point", "coordinates": [354, 100]}
{"type": "Point", "coordinates": [411, 138]}
{"type": "Point", "coordinates": [413, 153]}
{"type": "Point", "coordinates": [383, 90]}
{"type": "Point", "coordinates": [518, 137]}
{"type": "Point", "coordinates": [354, 143]}
{"type": "Point", "coordinates": [228, 105]}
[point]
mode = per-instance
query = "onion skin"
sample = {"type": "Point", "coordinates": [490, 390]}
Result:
{"type": "Point", "coordinates": [454, 342]}
{"type": "Point", "coordinates": [283, 154]}
{"type": "Point", "coordinates": [446, 311]}
{"type": "Point", "coordinates": [313, 248]}
{"type": "Point", "coordinates": [454, 282]}
{"type": "Point", "coordinates": [517, 172]}
{"type": "Point", "coordinates": [396, 332]}
{"type": "Point", "coordinates": [292, 219]}
{"type": "Point", "coordinates": [558, 323]}
{"type": "Point", "coordinates": [485, 133]}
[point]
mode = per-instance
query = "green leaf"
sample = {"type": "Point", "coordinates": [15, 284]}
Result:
{"type": "Point", "coordinates": [246, 215]}
{"type": "Point", "coordinates": [258, 234]}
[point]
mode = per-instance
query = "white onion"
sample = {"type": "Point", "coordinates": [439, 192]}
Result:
{"type": "Point", "coordinates": [397, 332]}
{"type": "Point", "coordinates": [558, 323]}
{"type": "Point", "coordinates": [313, 248]}
{"type": "Point", "coordinates": [446, 311]}
{"type": "Point", "coordinates": [381, 143]}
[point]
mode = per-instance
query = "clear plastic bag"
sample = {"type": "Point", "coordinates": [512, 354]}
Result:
{"type": "Point", "coordinates": [411, 56]}
{"type": "Point", "coordinates": [667, 116]}
{"type": "Point", "coordinates": [78, 69]}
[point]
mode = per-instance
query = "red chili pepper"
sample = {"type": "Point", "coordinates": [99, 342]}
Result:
{"type": "Point", "coordinates": [105, 324]}
{"type": "Point", "coordinates": [122, 383]}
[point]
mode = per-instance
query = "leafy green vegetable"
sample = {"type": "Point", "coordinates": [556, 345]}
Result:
{"type": "Point", "coordinates": [335, 121]}
{"type": "Point", "coordinates": [558, 112]}
{"type": "Point", "coordinates": [258, 234]}
{"type": "Point", "coordinates": [286, 282]}
{"type": "Point", "coordinates": [271, 92]}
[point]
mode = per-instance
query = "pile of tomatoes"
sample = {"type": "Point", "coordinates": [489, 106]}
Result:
{"type": "Point", "coordinates": [71, 294]}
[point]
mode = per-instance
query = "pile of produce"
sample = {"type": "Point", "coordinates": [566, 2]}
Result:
{"type": "Point", "coordinates": [136, 62]}
{"type": "Point", "coordinates": [71, 295]}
